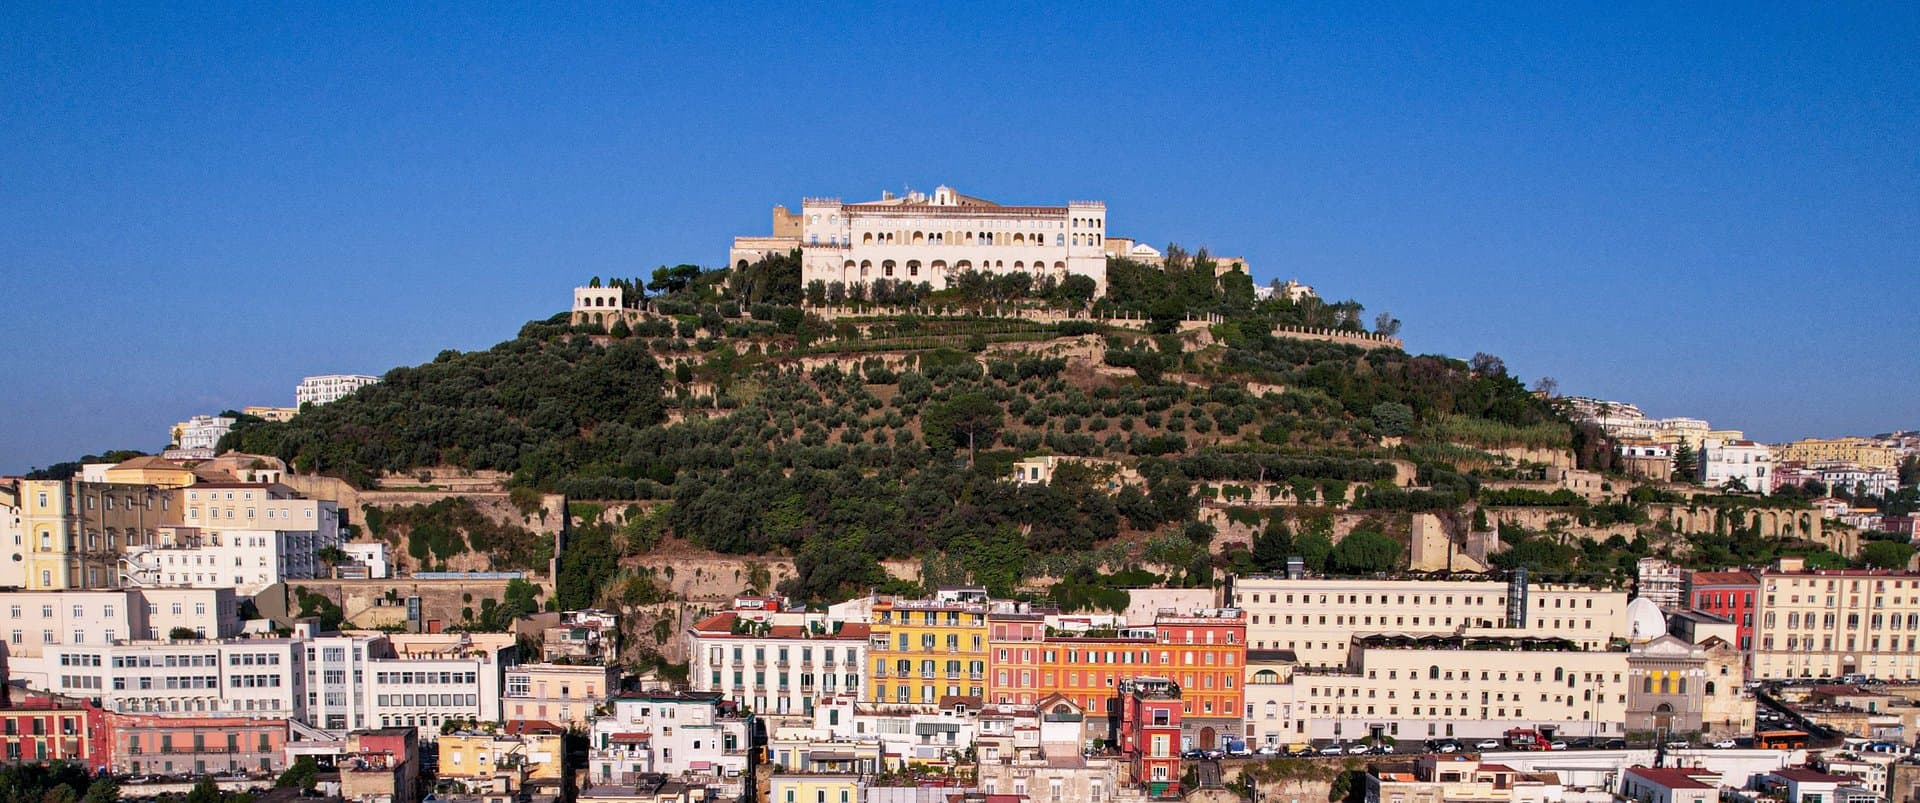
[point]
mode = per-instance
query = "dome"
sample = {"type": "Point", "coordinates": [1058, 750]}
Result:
{"type": "Point", "coordinates": [1645, 622]}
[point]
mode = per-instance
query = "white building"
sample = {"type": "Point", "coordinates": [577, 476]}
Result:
{"type": "Point", "coordinates": [367, 680]}
{"type": "Point", "coordinates": [778, 666]}
{"type": "Point", "coordinates": [1859, 480]}
{"type": "Point", "coordinates": [370, 554]}
{"type": "Point", "coordinates": [675, 733]}
{"type": "Point", "coordinates": [35, 622]}
{"type": "Point", "coordinates": [1724, 463]}
{"type": "Point", "coordinates": [930, 238]}
{"type": "Point", "coordinates": [250, 677]}
{"type": "Point", "coordinates": [328, 388]}
{"type": "Point", "coordinates": [13, 534]}
{"type": "Point", "coordinates": [201, 432]}
{"type": "Point", "coordinates": [238, 535]}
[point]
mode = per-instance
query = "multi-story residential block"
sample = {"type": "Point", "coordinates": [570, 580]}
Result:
{"type": "Point", "coordinates": [34, 622]}
{"type": "Point", "coordinates": [1426, 687]}
{"type": "Point", "coordinates": [170, 744]}
{"type": "Point", "coordinates": [1660, 581]}
{"type": "Point", "coordinates": [44, 728]}
{"type": "Point", "coordinates": [1862, 452]}
{"type": "Point", "coordinates": [931, 238]}
{"type": "Point", "coordinates": [1319, 617]}
{"type": "Point", "coordinates": [1728, 595]}
{"type": "Point", "coordinates": [201, 433]}
{"type": "Point", "coordinates": [1204, 651]}
{"type": "Point", "coordinates": [244, 535]}
{"type": "Point", "coordinates": [1270, 700]}
{"type": "Point", "coordinates": [482, 754]}
{"type": "Point", "coordinates": [74, 530]}
{"type": "Point", "coordinates": [1736, 463]}
{"type": "Point", "coordinates": [1048, 761]}
{"type": "Point", "coordinates": [1859, 480]}
{"type": "Point", "coordinates": [922, 650]}
{"type": "Point", "coordinates": [329, 388]}
{"type": "Point", "coordinates": [675, 733]}
{"type": "Point", "coordinates": [1150, 732]}
{"type": "Point", "coordinates": [779, 669]}
{"type": "Point", "coordinates": [13, 534]}
{"type": "Point", "coordinates": [405, 680]}
{"type": "Point", "coordinates": [1836, 622]}
{"type": "Point", "coordinates": [381, 766]}
{"type": "Point", "coordinates": [241, 677]}
{"type": "Point", "coordinates": [370, 558]}
{"type": "Point", "coordinates": [562, 694]}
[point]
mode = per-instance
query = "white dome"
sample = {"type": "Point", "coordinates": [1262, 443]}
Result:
{"type": "Point", "coordinates": [1645, 622]}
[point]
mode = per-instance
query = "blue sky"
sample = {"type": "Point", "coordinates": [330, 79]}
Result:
{"type": "Point", "coordinates": [1709, 210]}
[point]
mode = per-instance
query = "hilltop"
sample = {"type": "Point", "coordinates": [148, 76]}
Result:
{"type": "Point", "coordinates": [1184, 426]}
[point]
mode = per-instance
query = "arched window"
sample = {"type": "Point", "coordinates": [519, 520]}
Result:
{"type": "Point", "coordinates": [865, 265]}
{"type": "Point", "coordinates": [887, 268]}
{"type": "Point", "coordinates": [1559, 674]}
{"type": "Point", "coordinates": [866, 238]}
{"type": "Point", "coordinates": [1059, 239]}
{"type": "Point", "coordinates": [1433, 672]}
{"type": "Point", "coordinates": [913, 267]}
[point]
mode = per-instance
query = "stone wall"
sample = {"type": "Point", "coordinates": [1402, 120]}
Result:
{"type": "Point", "coordinates": [365, 603]}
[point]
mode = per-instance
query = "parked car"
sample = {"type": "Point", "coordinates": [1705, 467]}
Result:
{"type": "Point", "coordinates": [1214, 755]}
{"type": "Point", "coordinates": [1556, 745]}
{"type": "Point", "coordinates": [1446, 747]}
{"type": "Point", "coordinates": [1487, 744]}
{"type": "Point", "coordinates": [1194, 755]}
{"type": "Point", "coordinates": [1267, 750]}
{"type": "Point", "coordinates": [1332, 750]}
{"type": "Point", "coordinates": [1358, 749]}
{"type": "Point", "coordinates": [1678, 744]}
{"type": "Point", "coordinates": [1382, 750]}
{"type": "Point", "coordinates": [1725, 744]}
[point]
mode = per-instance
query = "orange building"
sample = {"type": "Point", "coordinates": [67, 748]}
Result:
{"type": "Point", "coordinates": [1203, 651]}
{"type": "Point", "coordinates": [169, 744]}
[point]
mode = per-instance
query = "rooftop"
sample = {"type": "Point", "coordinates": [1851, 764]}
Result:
{"type": "Point", "coordinates": [1673, 777]}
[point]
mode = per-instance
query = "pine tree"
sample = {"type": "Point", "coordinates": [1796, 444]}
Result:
{"type": "Point", "coordinates": [1685, 463]}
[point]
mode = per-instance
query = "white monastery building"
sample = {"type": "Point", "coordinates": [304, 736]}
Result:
{"type": "Point", "coordinates": [928, 238]}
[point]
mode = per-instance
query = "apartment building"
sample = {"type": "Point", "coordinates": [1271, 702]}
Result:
{"type": "Point", "coordinates": [778, 669]}
{"type": "Point", "coordinates": [1728, 595]}
{"type": "Point", "coordinates": [43, 728]}
{"type": "Point", "coordinates": [329, 388]}
{"type": "Point", "coordinates": [676, 733]}
{"type": "Point", "coordinates": [919, 651]}
{"type": "Point", "coordinates": [73, 530]}
{"type": "Point", "coordinates": [244, 677]}
{"type": "Point", "coordinates": [560, 694]}
{"type": "Point", "coordinates": [1318, 617]}
{"type": "Point", "coordinates": [243, 535]}
{"type": "Point", "coordinates": [1835, 622]}
{"type": "Point", "coordinates": [1736, 463]}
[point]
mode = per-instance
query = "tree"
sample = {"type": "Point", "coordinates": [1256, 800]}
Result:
{"type": "Point", "coordinates": [971, 418]}
{"type": "Point", "coordinates": [102, 790]}
{"type": "Point", "coordinates": [204, 791]}
{"type": "Point", "coordinates": [1484, 364]}
{"type": "Point", "coordinates": [1392, 418]}
{"type": "Point", "coordinates": [303, 774]}
{"type": "Point", "coordinates": [1686, 465]}
{"type": "Point", "coordinates": [1386, 325]}
{"type": "Point", "coordinates": [1365, 552]}
{"type": "Point", "coordinates": [1272, 547]}
{"type": "Point", "coordinates": [1314, 549]}
{"type": "Point", "coordinates": [1547, 386]}
{"type": "Point", "coordinates": [673, 280]}
{"type": "Point", "coordinates": [1886, 555]}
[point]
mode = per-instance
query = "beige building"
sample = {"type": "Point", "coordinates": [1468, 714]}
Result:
{"type": "Point", "coordinates": [483, 755]}
{"type": "Point", "coordinates": [563, 694]}
{"type": "Point", "coordinates": [1317, 617]}
{"type": "Point", "coordinates": [1269, 692]}
{"type": "Point", "coordinates": [1835, 622]}
{"type": "Point", "coordinates": [920, 237]}
{"type": "Point", "coordinates": [1858, 451]}
{"type": "Point", "coordinates": [1433, 687]}
{"type": "Point", "coordinates": [1459, 778]}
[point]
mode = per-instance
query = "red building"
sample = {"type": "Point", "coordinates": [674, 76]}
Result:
{"type": "Point", "coordinates": [39, 728]}
{"type": "Point", "coordinates": [1150, 711]}
{"type": "Point", "coordinates": [1728, 595]}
